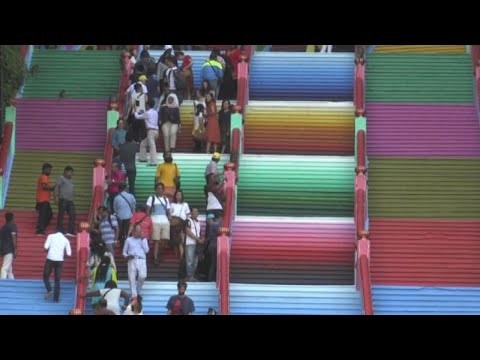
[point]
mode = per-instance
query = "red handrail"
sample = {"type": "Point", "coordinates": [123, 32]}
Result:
{"type": "Point", "coordinates": [83, 238]}
{"type": "Point", "coordinates": [475, 53]}
{"type": "Point", "coordinates": [236, 137]}
{"type": "Point", "coordinates": [363, 262]}
{"type": "Point", "coordinates": [359, 87]}
{"type": "Point", "coordinates": [108, 152]}
{"type": "Point", "coordinates": [124, 84]}
{"type": "Point", "coordinates": [361, 212]}
{"type": "Point", "coordinates": [360, 202]}
{"type": "Point", "coordinates": [7, 139]}
{"type": "Point", "coordinates": [223, 241]}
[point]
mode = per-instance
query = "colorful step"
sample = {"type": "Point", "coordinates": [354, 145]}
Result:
{"type": "Point", "coordinates": [422, 130]}
{"type": "Point", "coordinates": [300, 128]}
{"type": "Point", "coordinates": [77, 74]}
{"type": "Point", "coordinates": [27, 167]}
{"type": "Point", "coordinates": [299, 186]}
{"type": "Point", "coordinates": [302, 76]}
{"type": "Point", "coordinates": [288, 251]}
{"type": "Point", "coordinates": [419, 78]}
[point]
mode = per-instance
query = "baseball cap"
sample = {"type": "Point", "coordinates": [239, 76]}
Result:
{"type": "Point", "coordinates": [217, 155]}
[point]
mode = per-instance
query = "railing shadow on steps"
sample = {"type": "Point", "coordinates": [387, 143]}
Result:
{"type": "Point", "coordinates": [362, 242]}
{"type": "Point", "coordinates": [101, 168]}
{"type": "Point", "coordinates": [231, 175]}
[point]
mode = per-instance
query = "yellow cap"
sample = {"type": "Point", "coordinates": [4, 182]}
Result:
{"type": "Point", "coordinates": [217, 155]}
{"type": "Point", "coordinates": [142, 78]}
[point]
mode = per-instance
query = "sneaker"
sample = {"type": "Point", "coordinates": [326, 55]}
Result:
{"type": "Point", "coordinates": [47, 295]}
{"type": "Point", "coordinates": [143, 161]}
{"type": "Point", "coordinates": [150, 164]}
{"type": "Point", "coordinates": [41, 233]}
{"type": "Point", "coordinates": [71, 235]}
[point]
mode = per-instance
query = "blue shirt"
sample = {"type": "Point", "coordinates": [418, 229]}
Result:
{"type": "Point", "coordinates": [124, 205]}
{"type": "Point", "coordinates": [135, 247]}
{"type": "Point", "coordinates": [118, 137]}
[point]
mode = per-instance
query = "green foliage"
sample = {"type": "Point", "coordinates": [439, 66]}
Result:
{"type": "Point", "coordinates": [14, 71]}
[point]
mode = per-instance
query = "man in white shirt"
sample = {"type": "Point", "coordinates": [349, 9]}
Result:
{"type": "Point", "coordinates": [135, 251]}
{"type": "Point", "coordinates": [56, 245]}
{"type": "Point", "coordinates": [151, 123]}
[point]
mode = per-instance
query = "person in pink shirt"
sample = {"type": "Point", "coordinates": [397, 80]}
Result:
{"type": "Point", "coordinates": [116, 178]}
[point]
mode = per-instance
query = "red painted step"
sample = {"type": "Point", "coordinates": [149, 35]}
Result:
{"type": "Point", "coordinates": [308, 253]}
{"type": "Point", "coordinates": [31, 255]}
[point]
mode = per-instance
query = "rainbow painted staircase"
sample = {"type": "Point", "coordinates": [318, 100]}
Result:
{"type": "Point", "coordinates": [424, 180]}
{"type": "Point", "coordinates": [160, 283]}
{"type": "Point", "coordinates": [293, 236]}
{"type": "Point", "coordinates": [62, 131]}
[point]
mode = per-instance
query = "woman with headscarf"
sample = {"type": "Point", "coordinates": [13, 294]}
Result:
{"type": "Point", "coordinates": [213, 128]}
{"type": "Point", "coordinates": [171, 122]}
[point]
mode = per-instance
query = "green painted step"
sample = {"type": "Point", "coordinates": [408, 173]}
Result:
{"type": "Point", "coordinates": [300, 186]}
{"type": "Point", "coordinates": [424, 188]}
{"type": "Point", "coordinates": [192, 170]}
{"type": "Point", "coordinates": [419, 78]}
{"type": "Point", "coordinates": [27, 167]}
{"type": "Point", "coordinates": [82, 74]}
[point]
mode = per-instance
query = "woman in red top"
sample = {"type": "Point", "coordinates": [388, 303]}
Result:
{"type": "Point", "coordinates": [141, 218]}
{"type": "Point", "coordinates": [213, 127]}
{"type": "Point", "coordinates": [187, 63]}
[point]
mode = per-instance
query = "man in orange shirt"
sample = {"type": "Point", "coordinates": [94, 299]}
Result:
{"type": "Point", "coordinates": [43, 199]}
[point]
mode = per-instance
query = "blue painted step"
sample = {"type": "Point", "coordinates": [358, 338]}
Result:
{"type": "Point", "coordinates": [25, 297]}
{"type": "Point", "coordinates": [302, 76]}
{"type": "Point", "coordinates": [416, 300]}
{"type": "Point", "coordinates": [249, 299]}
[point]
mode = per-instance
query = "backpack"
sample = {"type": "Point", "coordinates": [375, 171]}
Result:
{"type": "Point", "coordinates": [177, 306]}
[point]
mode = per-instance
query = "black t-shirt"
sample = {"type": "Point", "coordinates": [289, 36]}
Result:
{"type": "Point", "coordinates": [180, 306]}
{"type": "Point", "coordinates": [6, 241]}
{"type": "Point", "coordinates": [128, 151]}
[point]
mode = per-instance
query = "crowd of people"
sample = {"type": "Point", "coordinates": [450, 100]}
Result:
{"type": "Point", "coordinates": [157, 91]}
{"type": "Point", "coordinates": [165, 219]}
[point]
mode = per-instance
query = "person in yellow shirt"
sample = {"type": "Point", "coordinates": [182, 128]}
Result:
{"type": "Point", "coordinates": [168, 174]}
{"type": "Point", "coordinates": [312, 48]}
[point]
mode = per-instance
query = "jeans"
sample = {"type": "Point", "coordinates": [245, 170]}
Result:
{"type": "Point", "coordinates": [131, 175]}
{"type": "Point", "coordinates": [69, 207]}
{"type": "Point", "coordinates": [192, 259]}
{"type": "Point", "coordinates": [44, 216]}
{"type": "Point", "coordinates": [47, 270]}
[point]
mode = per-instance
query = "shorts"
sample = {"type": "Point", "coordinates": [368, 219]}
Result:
{"type": "Point", "coordinates": [161, 232]}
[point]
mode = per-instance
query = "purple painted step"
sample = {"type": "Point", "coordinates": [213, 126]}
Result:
{"type": "Point", "coordinates": [61, 124]}
{"type": "Point", "coordinates": [422, 130]}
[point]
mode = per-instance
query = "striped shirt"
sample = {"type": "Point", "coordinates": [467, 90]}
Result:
{"type": "Point", "coordinates": [108, 234]}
